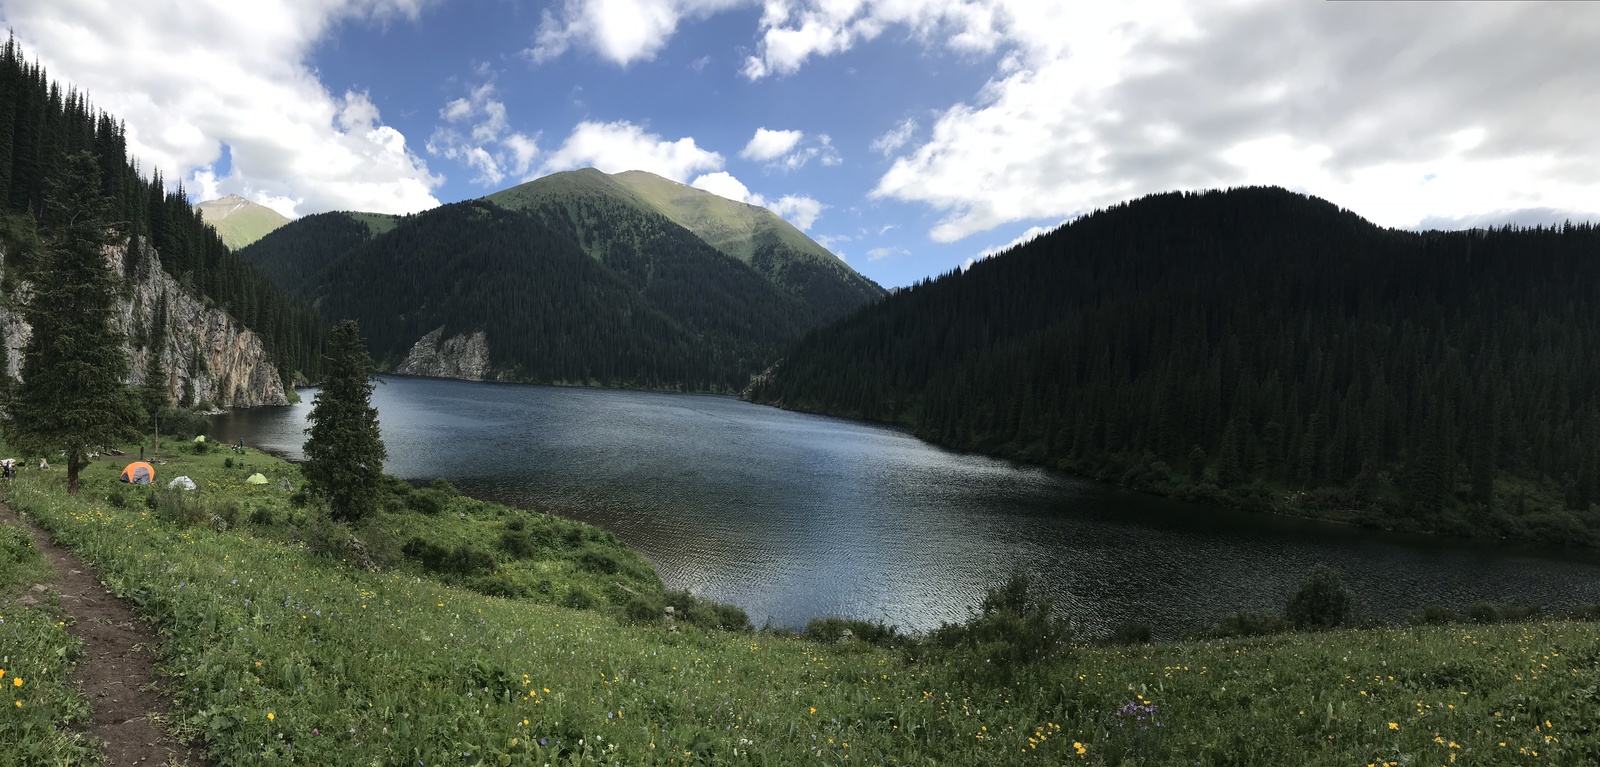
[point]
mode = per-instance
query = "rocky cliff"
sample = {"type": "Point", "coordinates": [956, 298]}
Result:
{"type": "Point", "coordinates": [461, 356]}
{"type": "Point", "coordinates": [205, 354]}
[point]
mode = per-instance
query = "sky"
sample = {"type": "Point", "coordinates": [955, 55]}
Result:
{"type": "Point", "coordinates": [907, 136]}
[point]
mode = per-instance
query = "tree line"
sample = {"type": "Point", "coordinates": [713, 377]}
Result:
{"type": "Point", "coordinates": [43, 125]}
{"type": "Point", "coordinates": [1259, 348]}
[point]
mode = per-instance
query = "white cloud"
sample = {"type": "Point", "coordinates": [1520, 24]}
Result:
{"type": "Point", "coordinates": [240, 81]}
{"type": "Point", "coordinates": [793, 32]}
{"type": "Point", "coordinates": [618, 146]}
{"type": "Point", "coordinates": [620, 31]}
{"type": "Point", "coordinates": [800, 210]}
{"type": "Point", "coordinates": [723, 184]}
{"type": "Point", "coordinates": [770, 144]}
{"type": "Point", "coordinates": [896, 137]}
{"type": "Point", "coordinates": [489, 146]}
{"type": "Point", "coordinates": [878, 254]}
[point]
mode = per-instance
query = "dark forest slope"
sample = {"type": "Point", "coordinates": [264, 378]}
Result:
{"type": "Point", "coordinates": [654, 307]}
{"type": "Point", "coordinates": [1259, 348]}
{"type": "Point", "coordinates": [41, 124]}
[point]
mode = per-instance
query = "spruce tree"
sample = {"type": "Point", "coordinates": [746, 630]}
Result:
{"type": "Point", "coordinates": [72, 397]}
{"type": "Point", "coordinates": [344, 451]}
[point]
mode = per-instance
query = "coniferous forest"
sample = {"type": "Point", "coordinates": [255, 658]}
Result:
{"type": "Point", "coordinates": [628, 300]}
{"type": "Point", "coordinates": [1258, 348]}
{"type": "Point", "coordinates": [41, 124]}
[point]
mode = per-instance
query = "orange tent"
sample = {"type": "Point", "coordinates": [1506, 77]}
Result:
{"type": "Point", "coordinates": [138, 473]}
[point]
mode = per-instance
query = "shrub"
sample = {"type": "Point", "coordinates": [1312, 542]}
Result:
{"type": "Point", "coordinates": [227, 463]}
{"type": "Point", "coordinates": [831, 629]}
{"type": "Point", "coordinates": [1132, 632]}
{"type": "Point", "coordinates": [1012, 630]}
{"type": "Point", "coordinates": [643, 609]}
{"type": "Point", "coordinates": [577, 598]}
{"type": "Point", "coordinates": [429, 502]}
{"type": "Point", "coordinates": [461, 560]}
{"type": "Point", "coordinates": [263, 516]}
{"type": "Point", "coordinates": [1432, 615]}
{"type": "Point", "coordinates": [1253, 624]}
{"type": "Point", "coordinates": [1324, 602]}
{"type": "Point", "coordinates": [516, 543]}
{"type": "Point", "coordinates": [596, 561]}
{"type": "Point", "coordinates": [443, 487]}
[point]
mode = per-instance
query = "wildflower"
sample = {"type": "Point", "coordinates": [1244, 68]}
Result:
{"type": "Point", "coordinates": [271, 716]}
{"type": "Point", "coordinates": [16, 681]}
{"type": "Point", "coordinates": [1394, 726]}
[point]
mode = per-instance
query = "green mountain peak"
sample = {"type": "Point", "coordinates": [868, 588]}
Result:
{"type": "Point", "coordinates": [238, 221]}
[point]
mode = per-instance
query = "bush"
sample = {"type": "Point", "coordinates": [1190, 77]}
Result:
{"type": "Point", "coordinates": [642, 609]}
{"type": "Point", "coordinates": [1432, 615]}
{"type": "Point", "coordinates": [596, 561]}
{"type": "Point", "coordinates": [577, 598]}
{"type": "Point", "coordinates": [1012, 630]}
{"type": "Point", "coordinates": [180, 507]}
{"type": "Point", "coordinates": [1324, 602]}
{"type": "Point", "coordinates": [461, 560]}
{"type": "Point", "coordinates": [832, 628]}
{"type": "Point", "coordinates": [1253, 624]}
{"type": "Point", "coordinates": [429, 502]}
{"type": "Point", "coordinates": [516, 543]}
{"type": "Point", "coordinates": [1132, 632]}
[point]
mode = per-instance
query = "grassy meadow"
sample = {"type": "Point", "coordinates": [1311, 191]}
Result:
{"type": "Point", "coordinates": [282, 648]}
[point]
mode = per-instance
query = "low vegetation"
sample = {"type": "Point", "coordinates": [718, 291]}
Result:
{"type": "Point", "coordinates": [38, 705]}
{"type": "Point", "coordinates": [464, 651]}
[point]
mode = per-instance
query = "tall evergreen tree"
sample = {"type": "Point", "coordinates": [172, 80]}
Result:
{"type": "Point", "coordinates": [344, 451]}
{"type": "Point", "coordinates": [72, 397]}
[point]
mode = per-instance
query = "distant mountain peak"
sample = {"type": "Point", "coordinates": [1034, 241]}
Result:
{"type": "Point", "coordinates": [239, 221]}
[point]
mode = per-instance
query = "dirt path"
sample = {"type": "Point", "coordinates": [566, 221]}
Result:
{"type": "Point", "coordinates": [115, 674]}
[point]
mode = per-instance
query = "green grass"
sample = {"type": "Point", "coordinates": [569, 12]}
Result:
{"type": "Point", "coordinates": [38, 704]}
{"type": "Point", "coordinates": [280, 656]}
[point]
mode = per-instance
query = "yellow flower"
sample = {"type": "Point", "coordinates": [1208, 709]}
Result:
{"type": "Point", "coordinates": [813, 709]}
{"type": "Point", "coordinates": [16, 681]}
{"type": "Point", "coordinates": [19, 704]}
{"type": "Point", "coordinates": [271, 716]}
{"type": "Point", "coordinates": [1394, 726]}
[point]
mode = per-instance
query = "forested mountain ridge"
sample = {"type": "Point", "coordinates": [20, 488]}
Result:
{"type": "Point", "coordinates": [42, 125]}
{"type": "Point", "coordinates": [1259, 348]}
{"type": "Point", "coordinates": [645, 305]}
{"type": "Point", "coordinates": [754, 235]}
{"type": "Point", "coordinates": [494, 288]}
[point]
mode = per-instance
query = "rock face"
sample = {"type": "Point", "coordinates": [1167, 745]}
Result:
{"type": "Point", "coordinates": [462, 356]}
{"type": "Point", "coordinates": [206, 355]}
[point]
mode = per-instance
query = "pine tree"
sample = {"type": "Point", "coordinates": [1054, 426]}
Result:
{"type": "Point", "coordinates": [344, 451]}
{"type": "Point", "coordinates": [72, 397]}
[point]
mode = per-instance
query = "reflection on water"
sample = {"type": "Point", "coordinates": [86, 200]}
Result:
{"type": "Point", "coordinates": [793, 516]}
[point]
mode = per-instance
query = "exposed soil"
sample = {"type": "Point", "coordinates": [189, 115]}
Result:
{"type": "Point", "coordinates": [115, 674]}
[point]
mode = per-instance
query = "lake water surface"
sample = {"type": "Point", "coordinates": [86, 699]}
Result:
{"type": "Point", "coordinates": [794, 516]}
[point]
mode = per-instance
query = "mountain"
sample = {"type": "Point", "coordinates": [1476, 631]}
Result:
{"type": "Point", "coordinates": [1258, 348]}
{"type": "Point", "coordinates": [750, 233]}
{"type": "Point", "coordinates": [238, 221]}
{"type": "Point", "coordinates": [202, 325]}
{"type": "Point", "coordinates": [572, 279]}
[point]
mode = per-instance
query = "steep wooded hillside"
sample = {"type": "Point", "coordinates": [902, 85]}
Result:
{"type": "Point", "coordinates": [1260, 348]}
{"type": "Point", "coordinates": [41, 124]}
{"type": "Point", "coordinates": [655, 307]}
{"type": "Point", "coordinates": [750, 233]}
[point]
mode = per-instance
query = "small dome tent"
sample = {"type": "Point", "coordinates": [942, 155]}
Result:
{"type": "Point", "coordinates": [257, 479]}
{"type": "Point", "coordinates": [182, 482]}
{"type": "Point", "coordinates": [138, 473]}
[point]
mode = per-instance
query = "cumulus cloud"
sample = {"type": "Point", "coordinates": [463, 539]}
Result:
{"type": "Point", "coordinates": [793, 32]}
{"type": "Point", "coordinates": [618, 146]}
{"type": "Point", "coordinates": [620, 31]}
{"type": "Point", "coordinates": [242, 82]}
{"type": "Point", "coordinates": [800, 210]}
{"type": "Point", "coordinates": [770, 144]}
{"type": "Point", "coordinates": [477, 133]}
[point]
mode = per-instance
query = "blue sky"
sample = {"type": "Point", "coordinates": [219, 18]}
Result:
{"type": "Point", "coordinates": [908, 136]}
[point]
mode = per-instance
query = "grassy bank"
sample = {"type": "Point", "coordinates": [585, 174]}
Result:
{"type": "Point", "coordinates": [281, 656]}
{"type": "Point", "coordinates": [38, 705]}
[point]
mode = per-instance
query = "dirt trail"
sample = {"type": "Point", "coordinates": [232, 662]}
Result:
{"type": "Point", "coordinates": [115, 674]}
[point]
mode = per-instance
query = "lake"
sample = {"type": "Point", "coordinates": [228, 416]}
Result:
{"type": "Point", "coordinates": [794, 516]}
